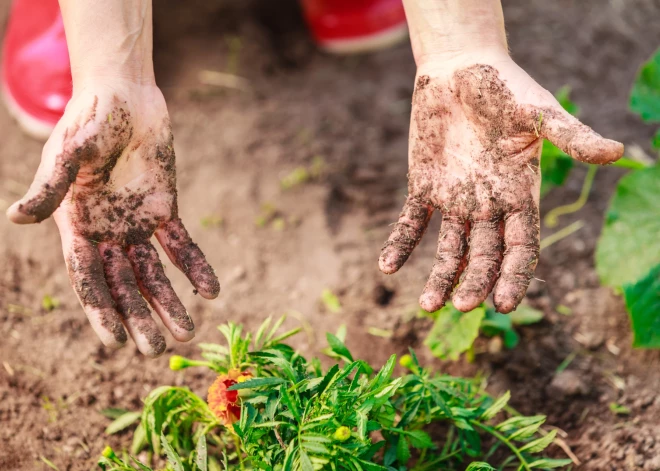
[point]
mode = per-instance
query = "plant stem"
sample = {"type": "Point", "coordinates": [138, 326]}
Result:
{"type": "Point", "coordinates": [553, 214]}
{"type": "Point", "coordinates": [561, 234]}
{"type": "Point", "coordinates": [237, 444]}
{"type": "Point", "coordinates": [503, 439]}
{"type": "Point", "coordinates": [431, 465]}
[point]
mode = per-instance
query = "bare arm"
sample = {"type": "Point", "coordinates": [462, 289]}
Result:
{"type": "Point", "coordinates": [108, 177]}
{"type": "Point", "coordinates": [442, 30]}
{"type": "Point", "coordinates": [109, 39]}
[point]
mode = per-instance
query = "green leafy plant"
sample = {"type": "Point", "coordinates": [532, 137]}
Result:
{"type": "Point", "coordinates": [628, 252]}
{"type": "Point", "coordinates": [454, 332]}
{"type": "Point", "coordinates": [645, 94]}
{"type": "Point", "coordinates": [296, 415]}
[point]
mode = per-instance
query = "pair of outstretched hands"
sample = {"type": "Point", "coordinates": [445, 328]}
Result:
{"type": "Point", "coordinates": [107, 175]}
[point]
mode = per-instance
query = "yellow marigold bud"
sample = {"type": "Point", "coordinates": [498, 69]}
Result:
{"type": "Point", "coordinates": [406, 361]}
{"type": "Point", "coordinates": [109, 453]}
{"type": "Point", "coordinates": [177, 362]}
{"type": "Point", "coordinates": [342, 434]}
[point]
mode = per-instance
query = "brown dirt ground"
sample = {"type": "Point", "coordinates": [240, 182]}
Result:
{"type": "Point", "coordinates": [234, 147]}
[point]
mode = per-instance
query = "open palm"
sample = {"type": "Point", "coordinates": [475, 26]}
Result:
{"type": "Point", "coordinates": [108, 175]}
{"type": "Point", "coordinates": [475, 142]}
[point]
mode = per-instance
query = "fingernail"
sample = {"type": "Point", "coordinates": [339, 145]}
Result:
{"type": "Point", "coordinates": [16, 216]}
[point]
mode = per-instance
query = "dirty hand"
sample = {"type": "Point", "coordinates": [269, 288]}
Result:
{"type": "Point", "coordinates": [107, 174]}
{"type": "Point", "coordinates": [477, 128]}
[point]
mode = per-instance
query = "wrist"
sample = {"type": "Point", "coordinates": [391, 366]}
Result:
{"type": "Point", "coordinates": [452, 52]}
{"type": "Point", "coordinates": [109, 40]}
{"type": "Point", "coordinates": [449, 30]}
{"type": "Point", "coordinates": [136, 71]}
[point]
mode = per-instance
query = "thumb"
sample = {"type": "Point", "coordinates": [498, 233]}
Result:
{"type": "Point", "coordinates": [55, 175]}
{"type": "Point", "coordinates": [576, 139]}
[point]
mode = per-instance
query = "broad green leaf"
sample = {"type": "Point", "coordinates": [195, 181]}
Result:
{"type": "Point", "coordinates": [643, 304]}
{"type": "Point", "coordinates": [556, 165]}
{"type": "Point", "coordinates": [453, 331]}
{"type": "Point", "coordinates": [122, 422]}
{"type": "Point", "coordinates": [563, 96]}
{"type": "Point", "coordinates": [201, 455]}
{"type": "Point", "coordinates": [525, 315]}
{"type": "Point", "coordinates": [537, 446]}
{"type": "Point", "coordinates": [257, 383]}
{"type": "Point", "coordinates": [629, 245]}
{"type": "Point", "coordinates": [511, 339]}
{"type": "Point", "coordinates": [645, 94]}
{"type": "Point", "coordinates": [495, 323]}
{"type": "Point", "coordinates": [497, 406]}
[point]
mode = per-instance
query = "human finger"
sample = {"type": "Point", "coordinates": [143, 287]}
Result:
{"type": "Point", "coordinates": [449, 262]}
{"type": "Point", "coordinates": [157, 290]}
{"type": "Point", "coordinates": [130, 303]}
{"type": "Point", "coordinates": [576, 139]}
{"type": "Point", "coordinates": [87, 278]}
{"type": "Point", "coordinates": [521, 241]}
{"type": "Point", "coordinates": [57, 171]}
{"type": "Point", "coordinates": [188, 257]}
{"type": "Point", "coordinates": [405, 235]}
{"type": "Point", "coordinates": [483, 263]}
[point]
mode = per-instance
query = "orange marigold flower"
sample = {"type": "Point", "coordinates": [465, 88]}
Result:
{"type": "Point", "coordinates": [223, 403]}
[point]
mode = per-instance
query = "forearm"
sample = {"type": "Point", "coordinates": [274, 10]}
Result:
{"type": "Point", "coordinates": [448, 29]}
{"type": "Point", "coordinates": [109, 39]}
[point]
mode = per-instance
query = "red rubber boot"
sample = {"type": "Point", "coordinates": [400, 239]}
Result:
{"type": "Point", "coordinates": [354, 26]}
{"type": "Point", "coordinates": [36, 72]}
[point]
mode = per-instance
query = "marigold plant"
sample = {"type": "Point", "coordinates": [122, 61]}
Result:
{"type": "Point", "coordinates": [271, 409]}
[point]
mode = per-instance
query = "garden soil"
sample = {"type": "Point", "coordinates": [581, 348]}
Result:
{"type": "Point", "coordinates": [276, 251]}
